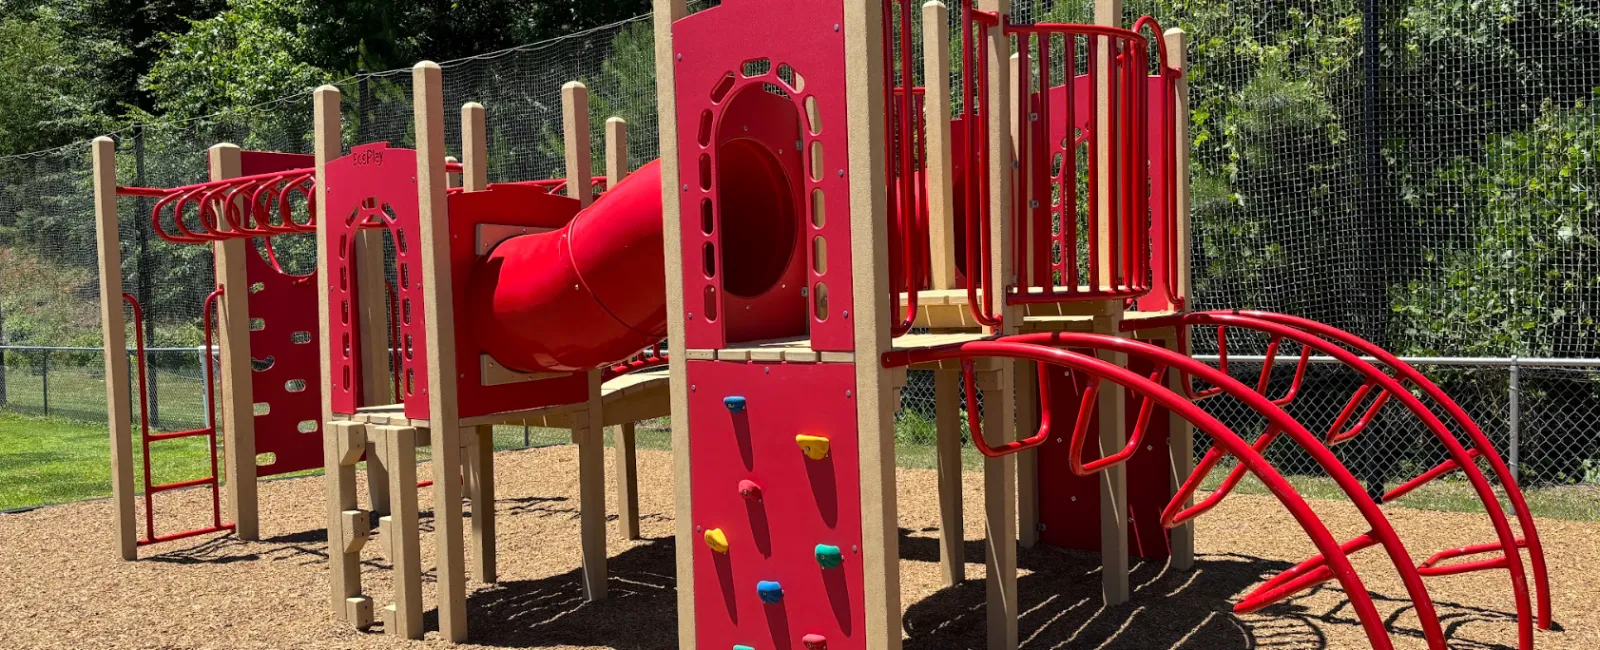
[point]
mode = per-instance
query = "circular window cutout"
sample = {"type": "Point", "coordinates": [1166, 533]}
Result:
{"type": "Point", "coordinates": [757, 216]}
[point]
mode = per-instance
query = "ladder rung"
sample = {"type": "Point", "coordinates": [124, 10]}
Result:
{"type": "Point", "coordinates": [157, 437]}
{"type": "Point", "coordinates": [185, 534]}
{"type": "Point", "coordinates": [209, 480]}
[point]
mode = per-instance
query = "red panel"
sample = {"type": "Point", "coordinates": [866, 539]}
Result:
{"type": "Point", "coordinates": [1069, 505]}
{"type": "Point", "coordinates": [774, 37]}
{"type": "Point", "coordinates": [1163, 195]}
{"type": "Point", "coordinates": [510, 205]}
{"type": "Point", "coordinates": [287, 376]}
{"type": "Point", "coordinates": [375, 187]}
{"type": "Point", "coordinates": [252, 163]}
{"type": "Point", "coordinates": [284, 346]}
{"type": "Point", "coordinates": [803, 503]}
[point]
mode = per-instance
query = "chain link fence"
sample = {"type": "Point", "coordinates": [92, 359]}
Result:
{"type": "Point", "coordinates": [1418, 172]}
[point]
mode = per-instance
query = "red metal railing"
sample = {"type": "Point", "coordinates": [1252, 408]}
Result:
{"type": "Point", "coordinates": [975, 163]}
{"type": "Point", "coordinates": [653, 357]}
{"type": "Point", "coordinates": [146, 436]}
{"type": "Point", "coordinates": [908, 234]}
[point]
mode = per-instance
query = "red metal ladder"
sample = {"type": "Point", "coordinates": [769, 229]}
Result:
{"type": "Point", "coordinates": [146, 436]}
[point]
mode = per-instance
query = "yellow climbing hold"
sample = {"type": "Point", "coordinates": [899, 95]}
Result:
{"type": "Point", "coordinates": [717, 540]}
{"type": "Point", "coordinates": [815, 447]}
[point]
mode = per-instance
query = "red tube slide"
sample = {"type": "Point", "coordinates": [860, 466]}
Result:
{"type": "Point", "coordinates": [581, 297]}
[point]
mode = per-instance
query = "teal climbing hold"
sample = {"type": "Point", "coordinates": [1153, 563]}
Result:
{"type": "Point", "coordinates": [742, 647]}
{"type": "Point", "coordinates": [829, 556]}
{"type": "Point", "coordinates": [771, 592]}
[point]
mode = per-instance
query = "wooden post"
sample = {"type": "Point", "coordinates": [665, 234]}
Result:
{"type": "Point", "coordinates": [939, 166]}
{"type": "Point", "coordinates": [480, 466]}
{"type": "Point", "coordinates": [113, 328]}
{"type": "Point", "coordinates": [1026, 397]}
{"type": "Point", "coordinates": [588, 430]}
{"type": "Point", "coordinates": [999, 474]}
{"type": "Point", "coordinates": [401, 532]}
{"type": "Point", "coordinates": [667, 12]}
{"type": "Point", "coordinates": [627, 481]}
{"type": "Point", "coordinates": [588, 422]}
{"type": "Point", "coordinates": [444, 422]}
{"type": "Point", "coordinates": [616, 151]}
{"type": "Point", "coordinates": [575, 136]}
{"type": "Point", "coordinates": [1113, 429]}
{"type": "Point", "coordinates": [233, 324]}
{"type": "Point", "coordinates": [865, 78]}
{"type": "Point", "coordinates": [1180, 439]}
{"type": "Point", "coordinates": [947, 425]}
{"type": "Point", "coordinates": [344, 569]}
{"type": "Point", "coordinates": [451, 179]}
{"type": "Point", "coordinates": [342, 445]}
{"type": "Point", "coordinates": [474, 148]}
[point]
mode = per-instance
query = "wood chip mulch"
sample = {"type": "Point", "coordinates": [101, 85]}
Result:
{"type": "Point", "coordinates": [61, 585]}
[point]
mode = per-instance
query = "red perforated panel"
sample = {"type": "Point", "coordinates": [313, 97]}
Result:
{"type": "Point", "coordinates": [375, 187]}
{"type": "Point", "coordinates": [1069, 505]}
{"type": "Point", "coordinates": [803, 503]}
{"type": "Point", "coordinates": [798, 49]}
{"type": "Point", "coordinates": [286, 382]}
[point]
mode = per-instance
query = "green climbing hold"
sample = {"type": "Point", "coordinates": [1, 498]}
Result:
{"type": "Point", "coordinates": [742, 647]}
{"type": "Point", "coordinates": [829, 556]}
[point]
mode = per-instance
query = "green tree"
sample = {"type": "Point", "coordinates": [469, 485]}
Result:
{"type": "Point", "coordinates": [44, 99]}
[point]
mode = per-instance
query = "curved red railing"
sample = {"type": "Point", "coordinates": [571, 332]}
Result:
{"type": "Point", "coordinates": [1480, 441]}
{"type": "Point", "coordinates": [908, 236]}
{"type": "Point", "coordinates": [1278, 421]}
{"type": "Point", "coordinates": [654, 357]}
{"type": "Point", "coordinates": [1390, 386]}
{"type": "Point", "coordinates": [1022, 347]}
{"type": "Point", "coordinates": [975, 173]}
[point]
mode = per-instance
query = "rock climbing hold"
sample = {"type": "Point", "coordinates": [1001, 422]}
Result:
{"type": "Point", "coordinates": [734, 403]}
{"type": "Point", "coordinates": [717, 540]}
{"type": "Point", "coordinates": [771, 592]}
{"type": "Point", "coordinates": [815, 642]}
{"type": "Point", "coordinates": [742, 647]}
{"type": "Point", "coordinates": [749, 490]}
{"type": "Point", "coordinates": [815, 447]}
{"type": "Point", "coordinates": [828, 556]}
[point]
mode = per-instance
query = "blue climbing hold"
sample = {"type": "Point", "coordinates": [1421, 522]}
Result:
{"type": "Point", "coordinates": [735, 404]}
{"type": "Point", "coordinates": [771, 592]}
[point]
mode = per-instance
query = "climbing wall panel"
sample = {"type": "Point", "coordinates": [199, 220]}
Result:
{"type": "Point", "coordinates": [777, 506]}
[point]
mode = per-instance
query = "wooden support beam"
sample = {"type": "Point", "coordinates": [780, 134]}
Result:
{"type": "Point", "coordinates": [113, 329]}
{"type": "Point", "coordinates": [233, 326]}
{"type": "Point", "coordinates": [666, 12]}
{"type": "Point", "coordinates": [1180, 439]}
{"type": "Point", "coordinates": [865, 124]}
{"type": "Point", "coordinates": [627, 466]}
{"type": "Point", "coordinates": [402, 532]}
{"type": "Point", "coordinates": [474, 148]}
{"type": "Point", "coordinates": [575, 137]}
{"type": "Point", "coordinates": [999, 515]}
{"type": "Point", "coordinates": [344, 566]}
{"type": "Point", "coordinates": [588, 431]}
{"type": "Point", "coordinates": [940, 165]}
{"type": "Point", "coordinates": [480, 460]}
{"type": "Point", "coordinates": [443, 411]}
{"type": "Point", "coordinates": [947, 427]}
{"type": "Point", "coordinates": [616, 151]}
{"type": "Point", "coordinates": [1026, 397]}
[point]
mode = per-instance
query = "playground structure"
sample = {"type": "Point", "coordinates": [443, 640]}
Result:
{"type": "Point", "coordinates": [817, 225]}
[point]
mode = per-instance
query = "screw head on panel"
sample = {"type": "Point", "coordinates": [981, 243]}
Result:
{"type": "Point", "coordinates": [841, 173]}
{"type": "Point", "coordinates": [836, 27]}
{"type": "Point", "coordinates": [847, 393]}
{"type": "Point", "coordinates": [680, 56]}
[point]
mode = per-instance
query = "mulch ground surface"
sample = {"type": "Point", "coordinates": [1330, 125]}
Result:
{"type": "Point", "coordinates": [61, 585]}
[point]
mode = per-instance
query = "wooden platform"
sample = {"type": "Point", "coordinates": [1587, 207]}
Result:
{"type": "Point", "coordinates": [630, 398]}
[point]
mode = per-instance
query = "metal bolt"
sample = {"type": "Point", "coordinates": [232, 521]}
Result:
{"type": "Point", "coordinates": [1058, 440]}
{"type": "Point", "coordinates": [1074, 499]}
{"type": "Point", "coordinates": [691, 388]}
{"type": "Point", "coordinates": [847, 393]}
{"type": "Point", "coordinates": [798, 145]}
{"type": "Point", "coordinates": [846, 313]}
{"type": "Point", "coordinates": [767, 371]}
{"type": "Point", "coordinates": [841, 173]}
{"type": "Point", "coordinates": [685, 187]}
{"type": "Point", "coordinates": [836, 27]}
{"type": "Point", "coordinates": [854, 549]}
{"type": "Point", "coordinates": [691, 315]}
{"type": "Point", "coordinates": [697, 529]}
{"type": "Point", "coordinates": [805, 291]}
{"type": "Point", "coordinates": [1034, 203]}
{"type": "Point", "coordinates": [1041, 526]}
{"type": "Point", "coordinates": [1149, 447]}
{"type": "Point", "coordinates": [680, 56]}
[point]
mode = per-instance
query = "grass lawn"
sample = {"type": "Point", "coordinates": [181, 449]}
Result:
{"type": "Point", "coordinates": [54, 460]}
